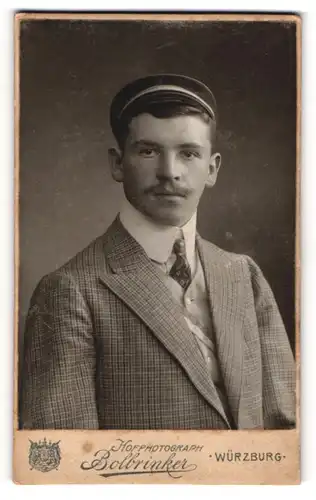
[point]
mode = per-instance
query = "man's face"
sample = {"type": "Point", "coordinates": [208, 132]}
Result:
{"type": "Point", "coordinates": [167, 163]}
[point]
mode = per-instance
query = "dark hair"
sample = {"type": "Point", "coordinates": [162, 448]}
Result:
{"type": "Point", "coordinates": [162, 110]}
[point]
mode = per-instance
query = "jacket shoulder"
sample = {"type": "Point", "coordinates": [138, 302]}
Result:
{"type": "Point", "coordinates": [240, 265]}
{"type": "Point", "coordinates": [82, 267]}
{"type": "Point", "coordinates": [223, 256]}
{"type": "Point", "coordinates": [90, 258]}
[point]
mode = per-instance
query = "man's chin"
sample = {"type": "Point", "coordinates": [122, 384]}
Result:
{"type": "Point", "coordinates": [171, 214]}
{"type": "Point", "coordinates": [168, 218]}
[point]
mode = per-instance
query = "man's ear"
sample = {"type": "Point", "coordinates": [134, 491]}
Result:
{"type": "Point", "coordinates": [215, 163]}
{"type": "Point", "coordinates": [116, 164]}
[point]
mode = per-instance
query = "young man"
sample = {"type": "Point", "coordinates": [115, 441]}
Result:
{"type": "Point", "coordinates": [151, 327]}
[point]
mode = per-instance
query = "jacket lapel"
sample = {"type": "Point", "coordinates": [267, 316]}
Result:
{"type": "Point", "coordinates": [137, 282]}
{"type": "Point", "coordinates": [225, 288]}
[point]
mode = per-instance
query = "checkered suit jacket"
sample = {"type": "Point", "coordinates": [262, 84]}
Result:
{"type": "Point", "coordinates": [106, 346]}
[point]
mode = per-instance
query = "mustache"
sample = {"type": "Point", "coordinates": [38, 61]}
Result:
{"type": "Point", "coordinates": [170, 189]}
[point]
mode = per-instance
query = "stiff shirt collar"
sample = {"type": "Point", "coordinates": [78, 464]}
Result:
{"type": "Point", "coordinates": [158, 240]}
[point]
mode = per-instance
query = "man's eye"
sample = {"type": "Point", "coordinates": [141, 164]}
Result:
{"type": "Point", "coordinates": [147, 152]}
{"type": "Point", "coordinates": [189, 155]}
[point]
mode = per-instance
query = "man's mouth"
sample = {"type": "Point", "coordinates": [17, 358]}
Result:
{"type": "Point", "coordinates": [168, 193]}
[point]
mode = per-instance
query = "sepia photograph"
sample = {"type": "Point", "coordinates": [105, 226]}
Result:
{"type": "Point", "coordinates": [157, 225]}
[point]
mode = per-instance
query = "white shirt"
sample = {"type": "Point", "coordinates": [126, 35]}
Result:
{"type": "Point", "coordinates": [156, 239]}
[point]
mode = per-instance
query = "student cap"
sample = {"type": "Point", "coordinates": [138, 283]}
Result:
{"type": "Point", "coordinates": [162, 88]}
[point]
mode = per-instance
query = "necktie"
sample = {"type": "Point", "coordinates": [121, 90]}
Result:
{"type": "Point", "coordinates": [180, 270]}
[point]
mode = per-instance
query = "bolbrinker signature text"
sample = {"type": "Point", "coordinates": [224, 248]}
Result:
{"type": "Point", "coordinates": [127, 458]}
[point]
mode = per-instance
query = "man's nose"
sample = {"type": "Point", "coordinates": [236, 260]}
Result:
{"type": "Point", "coordinates": [169, 167]}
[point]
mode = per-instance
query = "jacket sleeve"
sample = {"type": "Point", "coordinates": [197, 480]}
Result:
{"type": "Point", "coordinates": [278, 367]}
{"type": "Point", "coordinates": [58, 373]}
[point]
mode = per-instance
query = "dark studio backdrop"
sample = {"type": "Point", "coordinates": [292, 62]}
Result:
{"type": "Point", "coordinates": [69, 73]}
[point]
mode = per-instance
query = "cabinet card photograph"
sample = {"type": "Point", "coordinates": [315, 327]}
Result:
{"type": "Point", "coordinates": [157, 259]}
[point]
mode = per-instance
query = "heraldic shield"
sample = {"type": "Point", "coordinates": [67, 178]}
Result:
{"type": "Point", "coordinates": [44, 456]}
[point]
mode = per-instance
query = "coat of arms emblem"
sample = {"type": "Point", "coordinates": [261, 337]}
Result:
{"type": "Point", "coordinates": [44, 456]}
